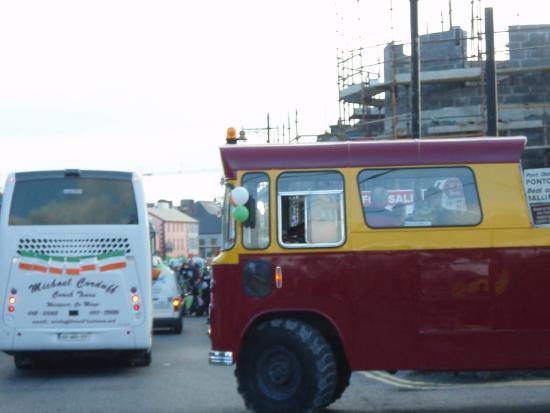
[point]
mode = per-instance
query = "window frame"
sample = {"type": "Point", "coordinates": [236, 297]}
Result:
{"type": "Point", "coordinates": [416, 227]}
{"type": "Point", "coordinates": [268, 215]}
{"type": "Point", "coordinates": [342, 205]}
{"type": "Point", "coordinates": [228, 221]}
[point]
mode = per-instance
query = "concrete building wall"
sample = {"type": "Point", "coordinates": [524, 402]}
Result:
{"type": "Point", "coordinates": [210, 245]}
{"type": "Point", "coordinates": [175, 238]}
{"type": "Point", "coordinates": [458, 107]}
{"type": "Point", "coordinates": [453, 99]}
{"type": "Point", "coordinates": [158, 225]}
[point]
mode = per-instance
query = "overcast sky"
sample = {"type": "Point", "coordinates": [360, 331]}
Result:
{"type": "Point", "coordinates": [151, 86]}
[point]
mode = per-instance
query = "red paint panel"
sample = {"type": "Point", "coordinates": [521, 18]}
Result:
{"type": "Point", "coordinates": [371, 154]}
{"type": "Point", "coordinates": [226, 293]}
{"type": "Point", "coordinates": [422, 310]}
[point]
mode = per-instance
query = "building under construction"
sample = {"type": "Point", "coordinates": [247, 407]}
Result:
{"type": "Point", "coordinates": [375, 99]}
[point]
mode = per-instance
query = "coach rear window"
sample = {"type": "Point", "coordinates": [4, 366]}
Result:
{"type": "Point", "coordinates": [73, 201]}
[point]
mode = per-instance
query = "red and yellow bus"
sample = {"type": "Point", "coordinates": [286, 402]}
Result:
{"type": "Point", "coordinates": [375, 255]}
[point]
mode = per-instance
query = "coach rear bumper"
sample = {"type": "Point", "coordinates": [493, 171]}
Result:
{"type": "Point", "coordinates": [125, 338]}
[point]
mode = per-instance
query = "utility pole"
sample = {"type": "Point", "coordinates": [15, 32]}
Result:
{"type": "Point", "coordinates": [268, 129]}
{"type": "Point", "coordinates": [288, 123]}
{"type": "Point", "coordinates": [296, 124]}
{"type": "Point", "coordinates": [451, 16]}
{"type": "Point", "coordinates": [491, 75]}
{"type": "Point", "coordinates": [415, 72]}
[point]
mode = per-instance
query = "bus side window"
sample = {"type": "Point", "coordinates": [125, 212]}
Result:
{"type": "Point", "coordinates": [293, 219]}
{"type": "Point", "coordinates": [256, 231]}
{"type": "Point", "coordinates": [420, 197]}
{"type": "Point", "coordinates": [324, 220]}
{"type": "Point", "coordinates": [311, 209]}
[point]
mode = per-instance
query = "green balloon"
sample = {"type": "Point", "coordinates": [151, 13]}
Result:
{"type": "Point", "coordinates": [240, 213]}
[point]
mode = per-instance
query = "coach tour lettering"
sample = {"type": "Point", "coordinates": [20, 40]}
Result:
{"type": "Point", "coordinates": [59, 294]}
{"type": "Point", "coordinates": [58, 304]}
{"type": "Point", "coordinates": [80, 295]}
{"type": "Point", "coordinates": [41, 286]}
{"type": "Point", "coordinates": [81, 283]}
{"type": "Point", "coordinates": [108, 288]}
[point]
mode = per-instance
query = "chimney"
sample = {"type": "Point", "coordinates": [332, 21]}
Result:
{"type": "Point", "coordinates": [187, 206]}
{"type": "Point", "coordinates": [163, 204]}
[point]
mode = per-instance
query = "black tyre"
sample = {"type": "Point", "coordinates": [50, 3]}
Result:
{"type": "Point", "coordinates": [342, 382]}
{"type": "Point", "coordinates": [140, 358]}
{"type": "Point", "coordinates": [144, 359]}
{"type": "Point", "coordinates": [23, 362]}
{"type": "Point", "coordinates": [286, 366]}
{"type": "Point", "coordinates": [178, 326]}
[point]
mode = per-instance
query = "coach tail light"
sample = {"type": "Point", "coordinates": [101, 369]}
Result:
{"type": "Point", "coordinates": [136, 300]}
{"type": "Point", "coordinates": [12, 300]}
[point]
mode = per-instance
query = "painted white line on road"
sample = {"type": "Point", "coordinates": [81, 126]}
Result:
{"type": "Point", "coordinates": [401, 383]}
{"type": "Point", "coordinates": [422, 385]}
{"type": "Point", "coordinates": [406, 382]}
{"type": "Point", "coordinates": [381, 379]}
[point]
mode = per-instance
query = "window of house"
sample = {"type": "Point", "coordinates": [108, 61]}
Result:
{"type": "Point", "coordinates": [256, 231]}
{"type": "Point", "coordinates": [420, 197]}
{"type": "Point", "coordinates": [310, 209]}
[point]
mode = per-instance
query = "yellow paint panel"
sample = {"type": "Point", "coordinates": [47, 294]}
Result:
{"type": "Point", "coordinates": [505, 220]}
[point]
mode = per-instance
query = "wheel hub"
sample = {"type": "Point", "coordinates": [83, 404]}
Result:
{"type": "Point", "coordinates": [279, 373]}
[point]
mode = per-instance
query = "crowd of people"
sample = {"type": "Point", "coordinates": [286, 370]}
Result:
{"type": "Point", "coordinates": [194, 278]}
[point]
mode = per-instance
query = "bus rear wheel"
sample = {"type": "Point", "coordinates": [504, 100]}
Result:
{"type": "Point", "coordinates": [286, 365]}
{"type": "Point", "coordinates": [137, 358]}
{"type": "Point", "coordinates": [23, 362]}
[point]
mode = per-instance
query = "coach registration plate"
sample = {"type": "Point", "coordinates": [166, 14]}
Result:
{"type": "Point", "coordinates": [73, 336]}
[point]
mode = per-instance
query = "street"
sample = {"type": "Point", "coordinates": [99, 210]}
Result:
{"type": "Point", "coordinates": [181, 380]}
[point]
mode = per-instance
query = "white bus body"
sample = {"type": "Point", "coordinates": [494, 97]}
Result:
{"type": "Point", "coordinates": [75, 266]}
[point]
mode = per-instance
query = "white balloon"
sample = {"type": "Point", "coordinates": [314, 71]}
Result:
{"type": "Point", "coordinates": [240, 195]}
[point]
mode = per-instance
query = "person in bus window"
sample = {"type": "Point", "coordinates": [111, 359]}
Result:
{"type": "Point", "coordinates": [400, 212]}
{"type": "Point", "coordinates": [439, 215]}
{"type": "Point", "coordinates": [377, 213]}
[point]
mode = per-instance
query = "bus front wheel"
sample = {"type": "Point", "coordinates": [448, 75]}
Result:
{"type": "Point", "coordinates": [286, 365]}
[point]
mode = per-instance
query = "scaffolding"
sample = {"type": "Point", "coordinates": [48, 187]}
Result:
{"type": "Point", "coordinates": [374, 85]}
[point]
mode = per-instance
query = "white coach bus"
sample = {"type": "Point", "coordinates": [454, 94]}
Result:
{"type": "Point", "coordinates": [75, 266]}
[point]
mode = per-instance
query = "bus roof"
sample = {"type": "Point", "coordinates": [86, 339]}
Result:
{"type": "Point", "coordinates": [371, 154]}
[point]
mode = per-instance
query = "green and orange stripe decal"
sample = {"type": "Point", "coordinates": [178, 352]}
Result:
{"type": "Point", "coordinates": [56, 265]}
{"type": "Point", "coordinates": [30, 261]}
{"type": "Point", "coordinates": [34, 262]}
{"type": "Point", "coordinates": [115, 260]}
